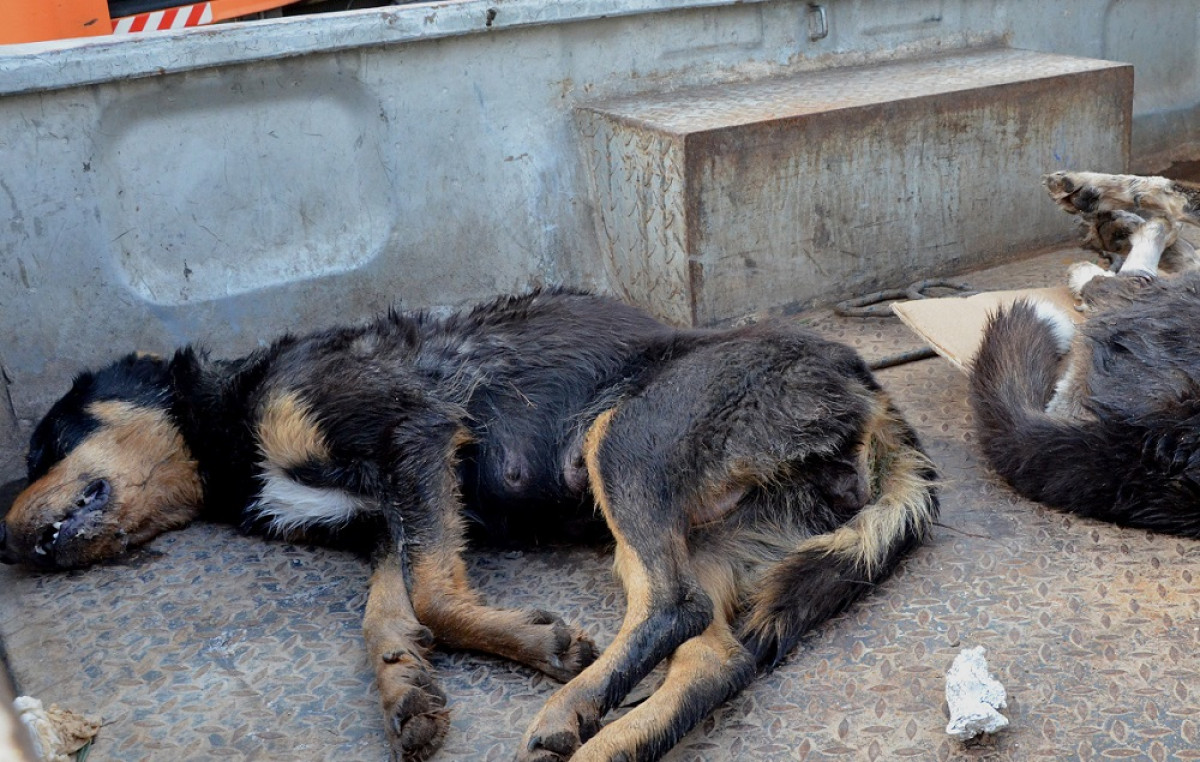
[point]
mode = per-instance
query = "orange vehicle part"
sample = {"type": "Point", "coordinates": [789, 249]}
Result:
{"type": "Point", "coordinates": [195, 14]}
{"type": "Point", "coordinates": [59, 19]}
{"type": "Point", "coordinates": [52, 20]}
{"type": "Point", "coordinates": [223, 10]}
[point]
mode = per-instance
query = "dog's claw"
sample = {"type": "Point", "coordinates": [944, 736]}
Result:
{"type": "Point", "coordinates": [555, 746]}
{"type": "Point", "coordinates": [415, 713]}
{"type": "Point", "coordinates": [558, 732]}
{"type": "Point", "coordinates": [566, 650]}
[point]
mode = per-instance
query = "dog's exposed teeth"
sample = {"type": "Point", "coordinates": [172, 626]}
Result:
{"type": "Point", "coordinates": [49, 537]}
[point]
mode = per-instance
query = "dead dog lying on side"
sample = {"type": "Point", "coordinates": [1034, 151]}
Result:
{"type": "Point", "coordinates": [756, 482]}
{"type": "Point", "coordinates": [1105, 421]}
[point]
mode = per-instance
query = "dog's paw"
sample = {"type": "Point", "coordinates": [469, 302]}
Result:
{"type": "Point", "coordinates": [1090, 193]}
{"type": "Point", "coordinates": [557, 733]}
{"type": "Point", "coordinates": [414, 709]}
{"type": "Point", "coordinates": [561, 651]}
{"type": "Point", "coordinates": [1080, 274]}
{"type": "Point", "coordinates": [1073, 191]}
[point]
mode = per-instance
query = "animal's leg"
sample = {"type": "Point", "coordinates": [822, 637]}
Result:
{"type": "Point", "coordinates": [1140, 269]}
{"type": "Point", "coordinates": [1080, 274]}
{"type": "Point", "coordinates": [1146, 246]}
{"type": "Point", "coordinates": [431, 519]}
{"type": "Point", "coordinates": [414, 708]}
{"type": "Point", "coordinates": [1092, 193]}
{"type": "Point", "coordinates": [665, 604]}
{"type": "Point", "coordinates": [446, 602]}
{"type": "Point", "coordinates": [704, 672]}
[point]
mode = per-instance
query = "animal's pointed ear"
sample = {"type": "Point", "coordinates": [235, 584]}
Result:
{"type": "Point", "coordinates": [64, 426]}
{"type": "Point", "coordinates": [185, 369]}
{"type": "Point", "coordinates": [186, 362]}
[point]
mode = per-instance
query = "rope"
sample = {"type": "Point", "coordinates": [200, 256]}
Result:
{"type": "Point", "coordinates": [875, 304]}
{"type": "Point", "coordinates": [878, 304]}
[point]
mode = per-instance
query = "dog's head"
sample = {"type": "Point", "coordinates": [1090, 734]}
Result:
{"type": "Point", "coordinates": [108, 470]}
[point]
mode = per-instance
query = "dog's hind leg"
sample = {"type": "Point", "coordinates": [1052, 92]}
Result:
{"type": "Point", "coordinates": [665, 603]}
{"type": "Point", "coordinates": [415, 715]}
{"type": "Point", "coordinates": [682, 466]}
{"type": "Point", "coordinates": [704, 672]}
{"type": "Point", "coordinates": [766, 555]}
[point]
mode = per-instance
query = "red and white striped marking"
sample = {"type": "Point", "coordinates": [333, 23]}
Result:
{"type": "Point", "coordinates": [171, 18]}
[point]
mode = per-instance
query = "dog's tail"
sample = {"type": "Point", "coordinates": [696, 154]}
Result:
{"type": "Point", "coordinates": [1140, 473]}
{"type": "Point", "coordinates": [827, 572]}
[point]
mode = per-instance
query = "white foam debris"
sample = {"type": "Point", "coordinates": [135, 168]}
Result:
{"type": "Point", "coordinates": [56, 733]}
{"type": "Point", "coordinates": [974, 696]}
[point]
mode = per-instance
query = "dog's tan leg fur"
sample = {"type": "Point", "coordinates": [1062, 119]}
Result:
{"type": "Point", "coordinates": [703, 672]}
{"type": "Point", "coordinates": [573, 714]}
{"type": "Point", "coordinates": [414, 708]}
{"type": "Point", "coordinates": [446, 602]}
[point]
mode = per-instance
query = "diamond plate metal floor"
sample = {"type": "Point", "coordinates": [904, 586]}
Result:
{"type": "Point", "coordinates": [210, 645]}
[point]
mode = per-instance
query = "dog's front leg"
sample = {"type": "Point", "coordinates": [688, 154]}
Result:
{"type": "Point", "coordinates": [430, 509]}
{"type": "Point", "coordinates": [1146, 245]}
{"type": "Point", "coordinates": [1092, 193]}
{"type": "Point", "coordinates": [414, 707]}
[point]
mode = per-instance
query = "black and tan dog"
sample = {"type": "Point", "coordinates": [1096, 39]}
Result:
{"type": "Point", "coordinates": [1105, 420]}
{"type": "Point", "coordinates": [756, 482]}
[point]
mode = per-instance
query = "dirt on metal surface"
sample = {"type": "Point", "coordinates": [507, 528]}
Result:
{"type": "Point", "coordinates": [210, 645]}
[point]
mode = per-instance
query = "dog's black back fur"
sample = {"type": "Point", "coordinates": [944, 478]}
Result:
{"type": "Point", "coordinates": [525, 375]}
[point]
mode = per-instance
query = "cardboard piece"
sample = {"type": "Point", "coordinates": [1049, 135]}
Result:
{"type": "Point", "coordinates": [954, 325]}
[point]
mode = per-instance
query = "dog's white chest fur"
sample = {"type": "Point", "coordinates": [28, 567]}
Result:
{"type": "Point", "coordinates": [291, 506]}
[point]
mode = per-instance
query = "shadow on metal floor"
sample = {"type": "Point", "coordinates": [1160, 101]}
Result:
{"type": "Point", "coordinates": [210, 645]}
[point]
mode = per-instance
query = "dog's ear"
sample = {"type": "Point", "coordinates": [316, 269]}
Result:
{"type": "Point", "coordinates": [62, 428]}
{"type": "Point", "coordinates": [137, 377]}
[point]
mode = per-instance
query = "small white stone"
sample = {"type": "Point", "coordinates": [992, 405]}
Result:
{"type": "Point", "coordinates": [974, 696]}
